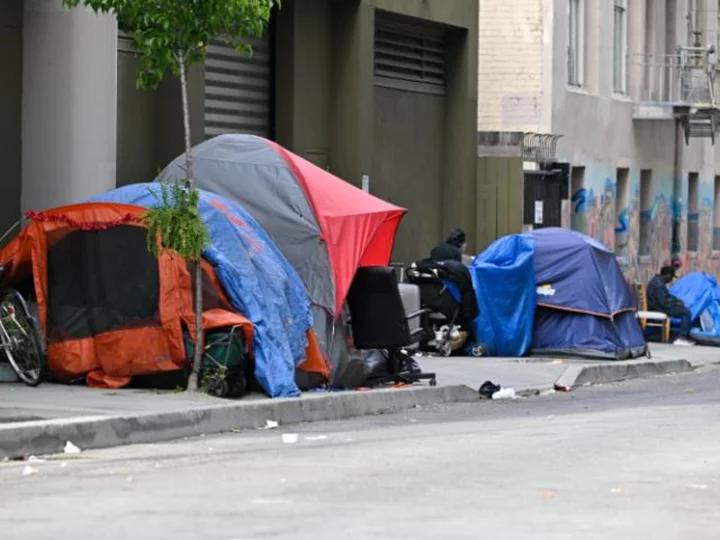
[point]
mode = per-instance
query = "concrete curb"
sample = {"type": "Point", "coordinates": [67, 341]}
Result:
{"type": "Point", "coordinates": [49, 437]}
{"type": "Point", "coordinates": [576, 376]}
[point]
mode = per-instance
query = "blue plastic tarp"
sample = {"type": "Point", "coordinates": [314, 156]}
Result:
{"type": "Point", "coordinates": [504, 282]}
{"type": "Point", "coordinates": [696, 290]}
{"type": "Point", "coordinates": [708, 333]}
{"type": "Point", "coordinates": [257, 279]}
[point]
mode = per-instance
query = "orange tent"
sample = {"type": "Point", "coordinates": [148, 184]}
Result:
{"type": "Point", "coordinates": [109, 309]}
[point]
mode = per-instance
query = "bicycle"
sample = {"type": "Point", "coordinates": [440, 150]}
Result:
{"type": "Point", "coordinates": [20, 337]}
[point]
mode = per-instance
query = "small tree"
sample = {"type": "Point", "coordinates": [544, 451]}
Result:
{"type": "Point", "coordinates": [171, 35]}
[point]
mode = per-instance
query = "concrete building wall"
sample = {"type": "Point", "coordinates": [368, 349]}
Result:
{"type": "Point", "coordinates": [84, 128]}
{"type": "Point", "coordinates": [68, 105]}
{"type": "Point", "coordinates": [600, 134]}
{"type": "Point", "coordinates": [11, 15]}
{"type": "Point", "coordinates": [600, 137]}
{"type": "Point", "coordinates": [137, 125]}
{"type": "Point", "coordinates": [329, 111]}
{"type": "Point", "coordinates": [150, 131]}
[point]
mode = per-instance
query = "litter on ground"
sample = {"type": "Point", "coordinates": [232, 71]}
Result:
{"type": "Point", "coordinates": [505, 393]}
{"type": "Point", "coordinates": [70, 448]}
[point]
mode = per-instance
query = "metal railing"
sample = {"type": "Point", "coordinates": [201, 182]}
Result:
{"type": "Point", "coordinates": [687, 77]}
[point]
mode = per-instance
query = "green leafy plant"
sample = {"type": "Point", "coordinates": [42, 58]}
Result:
{"type": "Point", "coordinates": [169, 36]}
{"type": "Point", "coordinates": [175, 223]}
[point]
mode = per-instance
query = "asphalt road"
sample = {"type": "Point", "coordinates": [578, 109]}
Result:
{"type": "Point", "coordinates": [638, 460]}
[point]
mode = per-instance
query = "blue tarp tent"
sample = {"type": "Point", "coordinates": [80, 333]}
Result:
{"type": "Point", "coordinates": [582, 305]}
{"type": "Point", "coordinates": [701, 294]}
{"type": "Point", "coordinates": [696, 290]}
{"type": "Point", "coordinates": [504, 281]}
{"type": "Point", "coordinates": [257, 279]}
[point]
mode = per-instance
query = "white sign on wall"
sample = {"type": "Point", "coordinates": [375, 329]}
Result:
{"type": "Point", "coordinates": [539, 205]}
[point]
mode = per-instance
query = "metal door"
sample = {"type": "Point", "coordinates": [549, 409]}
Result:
{"type": "Point", "coordinates": [543, 194]}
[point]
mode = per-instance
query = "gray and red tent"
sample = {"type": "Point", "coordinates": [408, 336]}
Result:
{"type": "Point", "coordinates": [324, 226]}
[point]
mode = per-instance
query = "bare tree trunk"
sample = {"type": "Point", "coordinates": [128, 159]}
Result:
{"type": "Point", "coordinates": [186, 123]}
{"type": "Point", "coordinates": [199, 345]}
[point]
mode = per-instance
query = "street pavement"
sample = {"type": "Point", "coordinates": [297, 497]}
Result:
{"type": "Point", "coordinates": [630, 460]}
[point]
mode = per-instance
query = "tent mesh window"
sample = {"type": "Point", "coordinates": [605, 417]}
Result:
{"type": "Point", "coordinates": [409, 55]}
{"type": "Point", "coordinates": [100, 281]}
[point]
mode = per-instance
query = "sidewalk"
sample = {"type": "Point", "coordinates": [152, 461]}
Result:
{"type": "Point", "coordinates": [532, 375]}
{"type": "Point", "coordinates": [41, 420]}
{"type": "Point", "coordinates": [37, 421]}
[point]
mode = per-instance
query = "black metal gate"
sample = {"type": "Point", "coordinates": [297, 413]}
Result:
{"type": "Point", "coordinates": [544, 192]}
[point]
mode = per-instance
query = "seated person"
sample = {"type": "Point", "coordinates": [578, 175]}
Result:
{"type": "Point", "coordinates": [451, 288]}
{"type": "Point", "coordinates": [660, 299]}
{"type": "Point", "coordinates": [452, 249]}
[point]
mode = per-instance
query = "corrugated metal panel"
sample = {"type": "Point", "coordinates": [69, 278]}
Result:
{"type": "Point", "coordinates": [409, 57]}
{"type": "Point", "coordinates": [125, 42]}
{"type": "Point", "coordinates": [237, 90]}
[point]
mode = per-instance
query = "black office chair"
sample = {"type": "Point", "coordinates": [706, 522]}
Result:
{"type": "Point", "coordinates": [379, 321]}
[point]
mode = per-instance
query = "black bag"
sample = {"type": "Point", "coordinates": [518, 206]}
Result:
{"type": "Point", "coordinates": [359, 368]}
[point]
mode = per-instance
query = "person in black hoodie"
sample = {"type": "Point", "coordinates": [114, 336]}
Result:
{"type": "Point", "coordinates": [452, 249]}
{"type": "Point", "coordinates": [449, 254]}
{"type": "Point", "coordinates": [660, 299]}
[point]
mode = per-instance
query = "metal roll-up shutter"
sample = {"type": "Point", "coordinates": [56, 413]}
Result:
{"type": "Point", "coordinates": [409, 56]}
{"type": "Point", "coordinates": [238, 90]}
{"type": "Point", "coordinates": [125, 42]}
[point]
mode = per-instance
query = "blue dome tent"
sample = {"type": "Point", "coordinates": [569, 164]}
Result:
{"type": "Point", "coordinates": [555, 292]}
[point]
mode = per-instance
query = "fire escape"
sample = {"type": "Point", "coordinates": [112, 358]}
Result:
{"type": "Point", "coordinates": [698, 111]}
{"type": "Point", "coordinates": [682, 85]}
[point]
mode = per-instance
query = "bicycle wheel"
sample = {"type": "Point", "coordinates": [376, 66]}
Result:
{"type": "Point", "coordinates": [23, 346]}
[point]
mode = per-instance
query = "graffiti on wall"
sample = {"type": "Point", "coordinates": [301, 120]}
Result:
{"type": "Point", "coordinates": [594, 215]}
{"type": "Point", "coordinates": [701, 226]}
{"type": "Point", "coordinates": [679, 245]}
{"type": "Point", "coordinates": [622, 232]}
{"type": "Point", "coordinates": [645, 239]}
{"type": "Point", "coordinates": [566, 214]}
{"type": "Point", "coordinates": [626, 238]}
{"type": "Point", "coordinates": [655, 224]}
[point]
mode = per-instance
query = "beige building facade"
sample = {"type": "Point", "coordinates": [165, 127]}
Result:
{"type": "Point", "coordinates": [627, 89]}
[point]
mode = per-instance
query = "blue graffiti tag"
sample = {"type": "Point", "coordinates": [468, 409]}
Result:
{"type": "Point", "coordinates": [623, 221]}
{"type": "Point", "coordinates": [580, 200]}
{"type": "Point", "coordinates": [678, 208]}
